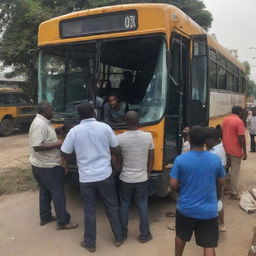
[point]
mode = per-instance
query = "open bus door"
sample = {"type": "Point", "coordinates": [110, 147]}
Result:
{"type": "Point", "coordinates": [198, 105]}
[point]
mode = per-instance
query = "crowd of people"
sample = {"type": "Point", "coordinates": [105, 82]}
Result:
{"type": "Point", "coordinates": [198, 174]}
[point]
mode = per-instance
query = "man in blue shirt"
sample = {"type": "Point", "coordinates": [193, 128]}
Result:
{"type": "Point", "coordinates": [194, 175]}
{"type": "Point", "coordinates": [93, 143]}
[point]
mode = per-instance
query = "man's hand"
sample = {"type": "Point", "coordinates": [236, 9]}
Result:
{"type": "Point", "coordinates": [59, 143]}
{"type": "Point", "coordinates": [244, 156]}
{"type": "Point", "coordinates": [65, 170]}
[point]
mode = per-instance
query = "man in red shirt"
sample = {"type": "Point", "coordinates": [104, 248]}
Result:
{"type": "Point", "coordinates": [233, 138]}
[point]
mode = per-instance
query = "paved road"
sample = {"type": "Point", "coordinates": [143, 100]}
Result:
{"type": "Point", "coordinates": [21, 235]}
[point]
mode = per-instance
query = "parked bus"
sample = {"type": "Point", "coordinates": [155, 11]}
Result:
{"type": "Point", "coordinates": [180, 75]}
{"type": "Point", "coordinates": [16, 110]}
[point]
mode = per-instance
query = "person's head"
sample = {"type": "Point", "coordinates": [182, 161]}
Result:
{"type": "Point", "coordinates": [44, 108]}
{"type": "Point", "coordinates": [212, 137]}
{"type": "Point", "coordinates": [132, 120]}
{"type": "Point", "coordinates": [197, 136]}
{"type": "Point", "coordinates": [113, 99]}
{"type": "Point", "coordinates": [185, 133]}
{"type": "Point", "coordinates": [254, 111]}
{"type": "Point", "coordinates": [128, 75]}
{"type": "Point", "coordinates": [85, 111]}
{"type": "Point", "coordinates": [237, 110]}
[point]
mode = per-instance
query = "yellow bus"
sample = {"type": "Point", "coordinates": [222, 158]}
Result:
{"type": "Point", "coordinates": [16, 110]}
{"type": "Point", "coordinates": [180, 76]}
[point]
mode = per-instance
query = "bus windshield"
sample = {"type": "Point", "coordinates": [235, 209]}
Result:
{"type": "Point", "coordinates": [135, 69]}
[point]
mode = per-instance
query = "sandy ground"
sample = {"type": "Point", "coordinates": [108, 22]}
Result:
{"type": "Point", "coordinates": [21, 234]}
{"type": "Point", "coordinates": [14, 151]}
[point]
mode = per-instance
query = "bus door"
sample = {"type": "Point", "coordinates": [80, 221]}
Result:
{"type": "Point", "coordinates": [176, 113]}
{"type": "Point", "coordinates": [198, 102]}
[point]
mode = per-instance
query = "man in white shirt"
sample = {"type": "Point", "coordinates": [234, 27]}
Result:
{"type": "Point", "coordinates": [137, 150]}
{"type": "Point", "coordinates": [251, 124]}
{"type": "Point", "coordinates": [45, 158]}
{"type": "Point", "coordinates": [93, 143]}
{"type": "Point", "coordinates": [215, 146]}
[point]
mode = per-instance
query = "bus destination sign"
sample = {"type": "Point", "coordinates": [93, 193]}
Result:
{"type": "Point", "coordinates": [99, 24]}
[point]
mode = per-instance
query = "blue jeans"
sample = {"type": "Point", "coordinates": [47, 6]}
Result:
{"type": "Point", "coordinates": [108, 193]}
{"type": "Point", "coordinates": [51, 188]}
{"type": "Point", "coordinates": [140, 193]}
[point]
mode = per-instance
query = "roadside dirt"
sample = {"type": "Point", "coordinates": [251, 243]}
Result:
{"type": "Point", "coordinates": [21, 234]}
{"type": "Point", "coordinates": [14, 152]}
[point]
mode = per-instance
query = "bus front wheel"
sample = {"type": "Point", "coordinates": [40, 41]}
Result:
{"type": "Point", "coordinates": [6, 127]}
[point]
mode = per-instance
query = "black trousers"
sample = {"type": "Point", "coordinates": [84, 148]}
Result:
{"type": "Point", "coordinates": [51, 188]}
{"type": "Point", "coordinates": [108, 193]}
{"type": "Point", "coordinates": [252, 142]}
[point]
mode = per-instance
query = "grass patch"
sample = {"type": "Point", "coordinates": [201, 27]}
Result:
{"type": "Point", "coordinates": [17, 180]}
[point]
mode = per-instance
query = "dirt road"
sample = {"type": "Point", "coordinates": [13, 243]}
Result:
{"type": "Point", "coordinates": [21, 235]}
{"type": "Point", "coordinates": [14, 151]}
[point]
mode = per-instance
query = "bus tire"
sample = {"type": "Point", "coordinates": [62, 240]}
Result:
{"type": "Point", "coordinates": [6, 127]}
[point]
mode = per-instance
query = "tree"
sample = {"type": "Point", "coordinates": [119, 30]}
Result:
{"type": "Point", "coordinates": [251, 85]}
{"type": "Point", "coordinates": [19, 21]}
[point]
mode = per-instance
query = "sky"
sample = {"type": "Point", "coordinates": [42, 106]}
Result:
{"type": "Point", "coordinates": [234, 24]}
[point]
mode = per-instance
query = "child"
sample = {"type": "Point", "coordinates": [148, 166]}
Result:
{"type": "Point", "coordinates": [185, 136]}
{"type": "Point", "coordinates": [214, 145]}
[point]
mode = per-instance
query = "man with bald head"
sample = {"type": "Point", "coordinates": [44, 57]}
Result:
{"type": "Point", "coordinates": [94, 142]}
{"type": "Point", "coordinates": [46, 166]}
{"type": "Point", "coordinates": [137, 150]}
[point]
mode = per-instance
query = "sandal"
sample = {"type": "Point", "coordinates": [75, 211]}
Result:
{"type": "Point", "coordinates": [66, 226]}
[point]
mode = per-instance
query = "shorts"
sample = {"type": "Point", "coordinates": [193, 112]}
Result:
{"type": "Point", "coordinates": [206, 230]}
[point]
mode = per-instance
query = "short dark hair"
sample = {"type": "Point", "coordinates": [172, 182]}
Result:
{"type": "Point", "coordinates": [197, 136]}
{"type": "Point", "coordinates": [115, 94]}
{"type": "Point", "coordinates": [42, 106]}
{"type": "Point", "coordinates": [86, 110]}
{"type": "Point", "coordinates": [237, 110]}
{"type": "Point", "coordinates": [212, 133]}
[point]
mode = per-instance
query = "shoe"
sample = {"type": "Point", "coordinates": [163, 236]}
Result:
{"type": "Point", "coordinates": [90, 249]}
{"type": "Point", "coordinates": [222, 228]}
{"type": "Point", "coordinates": [118, 243]}
{"type": "Point", "coordinates": [234, 197]}
{"type": "Point", "coordinates": [145, 240]}
{"type": "Point", "coordinates": [66, 226]}
{"type": "Point", "coordinates": [171, 227]}
{"type": "Point", "coordinates": [170, 214]}
{"type": "Point", "coordinates": [43, 222]}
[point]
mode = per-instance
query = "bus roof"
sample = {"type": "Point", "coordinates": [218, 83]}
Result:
{"type": "Point", "coordinates": [157, 18]}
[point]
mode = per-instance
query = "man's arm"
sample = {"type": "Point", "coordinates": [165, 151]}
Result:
{"type": "Point", "coordinates": [66, 160]}
{"type": "Point", "coordinates": [174, 183]}
{"type": "Point", "coordinates": [242, 142]}
{"type": "Point", "coordinates": [46, 146]}
{"type": "Point", "coordinates": [150, 161]}
{"type": "Point", "coordinates": [116, 158]}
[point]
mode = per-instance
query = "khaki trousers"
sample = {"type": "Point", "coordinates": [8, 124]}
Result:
{"type": "Point", "coordinates": [235, 163]}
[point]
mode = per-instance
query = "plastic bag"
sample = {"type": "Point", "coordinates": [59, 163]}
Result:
{"type": "Point", "coordinates": [254, 193]}
{"type": "Point", "coordinates": [247, 202]}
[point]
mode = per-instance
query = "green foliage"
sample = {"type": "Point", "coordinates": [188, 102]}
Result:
{"type": "Point", "coordinates": [250, 84]}
{"type": "Point", "coordinates": [19, 21]}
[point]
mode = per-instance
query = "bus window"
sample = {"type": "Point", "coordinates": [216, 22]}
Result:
{"type": "Point", "coordinates": [236, 80]}
{"type": "Point", "coordinates": [67, 74]}
{"type": "Point", "coordinates": [240, 81]}
{"type": "Point", "coordinates": [64, 73]}
{"type": "Point", "coordinates": [222, 73]}
{"type": "Point", "coordinates": [230, 76]}
{"type": "Point", "coordinates": [6, 100]}
{"type": "Point", "coordinates": [213, 74]}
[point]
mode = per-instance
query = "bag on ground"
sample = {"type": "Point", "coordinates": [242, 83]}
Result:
{"type": "Point", "coordinates": [247, 202]}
